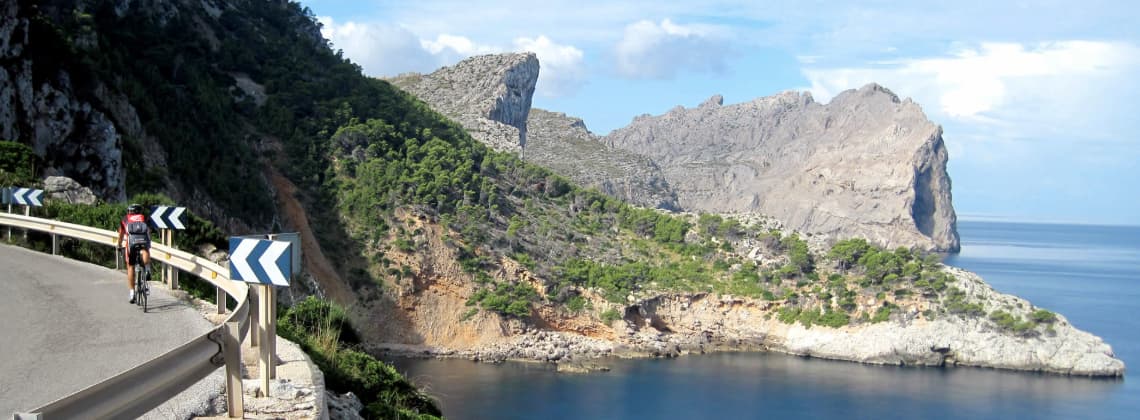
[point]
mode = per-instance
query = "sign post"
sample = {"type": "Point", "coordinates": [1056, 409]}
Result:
{"type": "Point", "coordinates": [268, 263]}
{"type": "Point", "coordinates": [169, 219]}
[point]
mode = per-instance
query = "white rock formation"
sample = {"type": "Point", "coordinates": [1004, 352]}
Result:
{"type": "Point", "coordinates": [489, 95]}
{"type": "Point", "coordinates": [866, 164]}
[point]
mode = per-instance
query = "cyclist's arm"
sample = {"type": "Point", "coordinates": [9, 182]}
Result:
{"type": "Point", "coordinates": [121, 231]}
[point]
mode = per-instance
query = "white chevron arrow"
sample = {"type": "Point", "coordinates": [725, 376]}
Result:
{"type": "Point", "coordinates": [27, 196]}
{"type": "Point", "coordinates": [156, 217]}
{"type": "Point", "coordinates": [34, 197]}
{"type": "Point", "coordinates": [268, 261]}
{"type": "Point", "coordinates": [238, 259]}
{"type": "Point", "coordinates": [175, 218]}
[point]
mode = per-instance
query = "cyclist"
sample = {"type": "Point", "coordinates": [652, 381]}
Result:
{"type": "Point", "coordinates": [136, 226]}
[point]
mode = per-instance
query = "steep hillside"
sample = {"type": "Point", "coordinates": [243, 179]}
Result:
{"type": "Point", "coordinates": [866, 164]}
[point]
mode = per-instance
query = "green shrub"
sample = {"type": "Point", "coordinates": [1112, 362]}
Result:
{"type": "Point", "coordinates": [1043, 316]}
{"type": "Point", "coordinates": [955, 302]}
{"type": "Point", "coordinates": [576, 303]}
{"type": "Point", "coordinates": [834, 319]}
{"type": "Point", "coordinates": [883, 313]}
{"type": "Point", "coordinates": [1008, 322]}
{"type": "Point", "coordinates": [847, 252]}
{"type": "Point", "coordinates": [808, 317]}
{"type": "Point", "coordinates": [788, 314]}
{"type": "Point", "coordinates": [17, 165]}
{"type": "Point", "coordinates": [322, 330]}
{"type": "Point", "coordinates": [611, 315]}
{"type": "Point", "coordinates": [506, 298]}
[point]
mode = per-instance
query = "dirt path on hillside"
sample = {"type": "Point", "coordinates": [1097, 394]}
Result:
{"type": "Point", "coordinates": [313, 259]}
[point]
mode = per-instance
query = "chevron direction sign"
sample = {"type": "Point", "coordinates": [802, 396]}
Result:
{"type": "Point", "coordinates": [27, 196]}
{"type": "Point", "coordinates": [260, 261]}
{"type": "Point", "coordinates": [168, 217]}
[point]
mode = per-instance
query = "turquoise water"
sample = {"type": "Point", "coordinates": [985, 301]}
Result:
{"type": "Point", "coordinates": [1090, 274]}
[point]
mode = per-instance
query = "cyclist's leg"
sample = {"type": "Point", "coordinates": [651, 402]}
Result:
{"type": "Point", "coordinates": [144, 254]}
{"type": "Point", "coordinates": [130, 273]}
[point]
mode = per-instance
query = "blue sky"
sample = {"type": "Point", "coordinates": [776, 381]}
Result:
{"type": "Point", "coordinates": [1037, 98]}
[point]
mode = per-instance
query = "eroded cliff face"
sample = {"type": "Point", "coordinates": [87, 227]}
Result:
{"type": "Point", "coordinates": [489, 95]}
{"type": "Point", "coordinates": [73, 135]}
{"type": "Point", "coordinates": [864, 165]}
{"type": "Point", "coordinates": [564, 145]}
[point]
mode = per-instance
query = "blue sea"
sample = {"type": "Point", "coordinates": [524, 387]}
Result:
{"type": "Point", "coordinates": [1090, 274]}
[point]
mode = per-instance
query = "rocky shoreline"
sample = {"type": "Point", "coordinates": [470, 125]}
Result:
{"type": "Point", "coordinates": [671, 325]}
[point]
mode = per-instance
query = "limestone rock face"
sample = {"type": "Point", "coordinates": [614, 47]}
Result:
{"type": "Point", "coordinates": [489, 95]}
{"type": "Point", "coordinates": [74, 137]}
{"type": "Point", "coordinates": [564, 145]}
{"type": "Point", "coordinates": [866, 164]}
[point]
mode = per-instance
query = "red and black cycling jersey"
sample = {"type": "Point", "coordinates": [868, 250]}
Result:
{"type": "Point", "coordinates": [137, 228]}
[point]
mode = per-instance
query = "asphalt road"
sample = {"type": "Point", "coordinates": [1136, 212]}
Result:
{"type": "Point", "coordinates": [65, 325]}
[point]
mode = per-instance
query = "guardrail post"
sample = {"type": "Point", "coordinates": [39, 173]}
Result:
{"type": "Point", "coordinates": [265, 361]}
{"type": "Point", "coordinates": [222, 300]}
{"type": "Point", "coordinates": [231, 351]}
{"type": "Point", "coordinates": [54, 244]}
{"type": "Point", "coordinates": [271, 331]}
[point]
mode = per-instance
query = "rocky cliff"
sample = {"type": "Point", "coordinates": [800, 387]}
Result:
{"type": "Point", "coordinates": [489, 95]}
{"type": "Point", "coordinates": [564, 145]}
{"type": "Point", "coordinates": [73, 134]}
{"type": "Point", "coordinates": [866, 164]}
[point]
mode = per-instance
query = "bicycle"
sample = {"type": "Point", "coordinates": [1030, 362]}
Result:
{"type": "Point", "coordinates": [142, 289]}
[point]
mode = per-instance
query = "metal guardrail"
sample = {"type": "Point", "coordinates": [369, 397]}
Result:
{"type": "Point", "coordinates": [134, 392]}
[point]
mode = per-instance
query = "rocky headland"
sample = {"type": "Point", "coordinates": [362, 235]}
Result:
{"type": "Point", "coordinates": [676, 324]}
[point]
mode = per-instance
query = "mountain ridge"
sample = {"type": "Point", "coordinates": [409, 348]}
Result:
{"type": "Point", "coordinates": [866, 164]}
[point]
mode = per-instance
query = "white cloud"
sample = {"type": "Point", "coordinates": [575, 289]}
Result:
{"type": "Point", "coordinates": [1008, 90]}
{"type": "Point", "coordinates": [455, 44]}
{"type": "Point", "coordinates": [659, 51]}
{"type": "Point", "coordinates": [380, 49]}
{"type": "Point", "coordinates": [561, 65]}
{"type": "Point", "coordinates": [388, 50]}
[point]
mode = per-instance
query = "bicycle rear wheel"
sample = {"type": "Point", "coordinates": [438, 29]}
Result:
{"type": "Point", "coordinates": [140, 287]}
